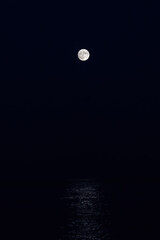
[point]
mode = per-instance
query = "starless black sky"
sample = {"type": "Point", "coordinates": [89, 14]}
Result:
{"type": "Point", "coordinates": [62, 117]}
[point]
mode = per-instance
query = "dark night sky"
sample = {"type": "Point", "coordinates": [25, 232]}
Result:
{"type": "Point", "coordinates": [62, 117]}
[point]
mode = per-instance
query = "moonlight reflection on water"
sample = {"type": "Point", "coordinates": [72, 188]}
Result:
{"type": "Point", "coordinates": [88, 215]}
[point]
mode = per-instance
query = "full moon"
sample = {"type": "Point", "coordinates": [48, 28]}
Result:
{"type": "Point", "coordinates": [83, 54]}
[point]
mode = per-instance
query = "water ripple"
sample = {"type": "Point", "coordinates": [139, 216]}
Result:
{"type": "Point", "coordinates": [87, 212]}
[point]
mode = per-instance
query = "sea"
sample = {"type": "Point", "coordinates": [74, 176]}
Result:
{"type": "Point", "coordinates": [80, 209]}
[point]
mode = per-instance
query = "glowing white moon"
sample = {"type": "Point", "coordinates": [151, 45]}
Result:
{"type": "Point", "coordinates": [83, 54]}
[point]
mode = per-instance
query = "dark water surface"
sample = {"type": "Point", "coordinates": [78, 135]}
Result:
{"type": "Point", "coordinates": [88, 211]}
{"type": "Point", "coordinates": [81, 209]}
